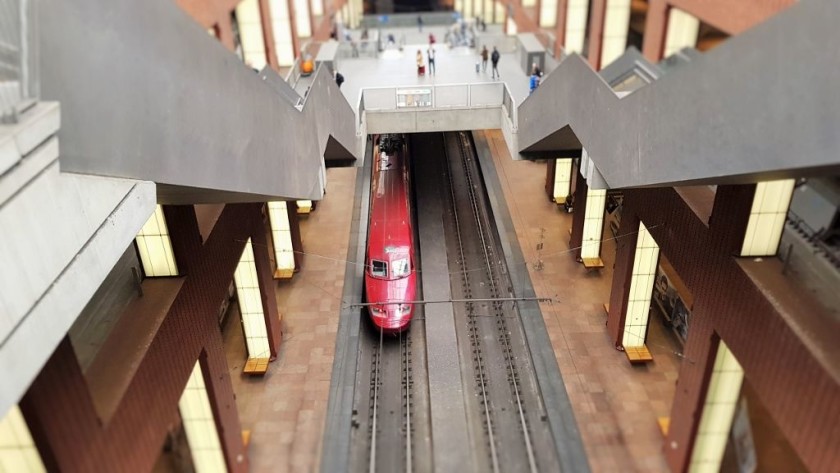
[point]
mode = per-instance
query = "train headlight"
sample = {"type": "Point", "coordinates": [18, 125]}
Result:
{"type": "Point", "coordinates": [377, 311]}
{"type": "Point", "coordinates": [405, 308]}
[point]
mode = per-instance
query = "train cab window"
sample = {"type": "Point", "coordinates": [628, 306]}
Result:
{"type": "Point", "coordinates": [378, 269]}
{"type": "Point", "coordinates": [401, 268]}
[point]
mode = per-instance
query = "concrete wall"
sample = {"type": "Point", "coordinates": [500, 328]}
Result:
{"type": "Point", "coordinates": [58, 408]}
{"type": "Point", "coordinates": [62, 234]}
{"type": "Point", "coordinates": [422, 121]}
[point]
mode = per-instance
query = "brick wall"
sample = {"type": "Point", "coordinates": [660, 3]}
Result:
{"type": "Point", "coordinates": [59, 410]}
{"type": "Point", "coordinates": [802, 397]}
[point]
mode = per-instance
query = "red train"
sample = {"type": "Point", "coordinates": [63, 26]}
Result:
{"type": "Point", "coordinates": [390, 278]}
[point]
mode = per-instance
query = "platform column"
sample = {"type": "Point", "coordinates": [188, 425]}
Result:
{"type": "Point", "coordinates": [656, 23]}
{"type": "Point", "coordinates": [625, 254]}
{"type": "Point", "coordinates": [61, 417]}
{"type": "Point", "coordinates": [576, 232]}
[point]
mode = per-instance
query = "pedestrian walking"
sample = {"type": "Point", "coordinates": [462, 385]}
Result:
{"type": "Point", "coordinates": [430, 53]}
{"type": "Point", "coordinates": [484, 55]}
{"type": "Point", "coordinates": [494, 58]}
{"type": "Point", "coordinates": [533, 83]}
{"type": "Point", "coordinates": [420, 23]}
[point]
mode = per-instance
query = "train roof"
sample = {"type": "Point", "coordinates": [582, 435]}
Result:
{"type": "Point", "coordinates": [390, 219]}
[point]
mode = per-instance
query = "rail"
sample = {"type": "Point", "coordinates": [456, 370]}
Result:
{"type": "Point", "coordinates": [18, 58]}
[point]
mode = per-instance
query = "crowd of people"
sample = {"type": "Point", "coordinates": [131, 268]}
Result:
{"type": "Point", "coordinates": [460, 33]}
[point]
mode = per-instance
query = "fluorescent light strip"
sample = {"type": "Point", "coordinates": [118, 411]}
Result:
{"type": "Point", "coordinates": [767, 218]}
{"type": "Point", "coordinates": [155, 247]}
{"type": "Point", "coordinates": [718, 411]}
{"type": "Point", "coordinates": [200, 425]}
{"type": "Point", "coordinates": [616, 24]}
{"type": "Point", "coordinates": [562, 178]}
{"type": "Point", "coordinates": [593, 223]}
{"type": "Point", "coordinates": [682, 31]}
{"type": "Point", "coordinates": [281, 28]}
{"type": "Point", "coordinates": [281, 234]}
{"type": "Point", "coordinates": [577, 15]}
{"type": "Point", "coordinates": [250, 305]}
{"type": "Point", "coordinates": [548, 13]}
{"type": "Point", "coordinates": [251, 32]}
{"type": "Point", "coordinates": [17, 449]}
{"type": "Point", "coordinates": [641, 288]}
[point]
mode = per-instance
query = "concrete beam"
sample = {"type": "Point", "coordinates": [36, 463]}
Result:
{"type": "Point", "coordinates": [760, 106]}
{"type": "Point", "coordinates": [147, 94]}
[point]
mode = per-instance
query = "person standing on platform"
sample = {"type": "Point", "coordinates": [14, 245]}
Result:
{"type": "Point", "coordinates": [430, 53]}
{"type": "Point", "coordinates": [421, 68]}
{"type": "Point", "coordinates": [534, 83]}
{"type": "Point", "coordinates": [494, 58]}
{"type": "Point", "coordinates": [420, 23]}
{"type": "Point", "coordinates": [484, 55]}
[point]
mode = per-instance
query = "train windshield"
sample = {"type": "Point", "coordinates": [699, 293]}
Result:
{"type": "Point", "coordinates": [378, 269]}
{"type": "Point", "coordinates": [401, 268]}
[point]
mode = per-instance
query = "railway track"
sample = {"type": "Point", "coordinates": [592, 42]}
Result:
{"type": "Point", "coordinates": [506, 414]}
{"type": "Point", "coordinates": [390, 425]}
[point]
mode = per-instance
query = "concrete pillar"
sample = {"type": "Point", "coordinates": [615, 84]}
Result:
{"type": "Point", "coordinates": [626, 241]}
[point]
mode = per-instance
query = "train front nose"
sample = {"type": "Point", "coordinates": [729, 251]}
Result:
{"type": "Point", "coordinates": [391, 317]}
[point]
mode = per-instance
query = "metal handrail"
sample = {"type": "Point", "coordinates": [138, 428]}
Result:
{"type": "Point", "coordinates": [506, 101]}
